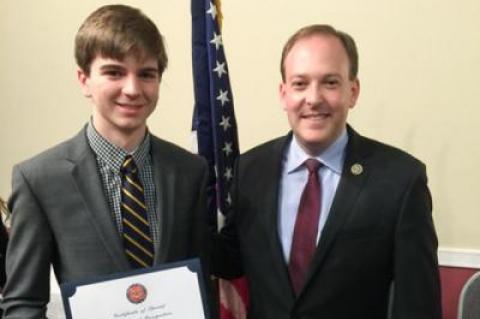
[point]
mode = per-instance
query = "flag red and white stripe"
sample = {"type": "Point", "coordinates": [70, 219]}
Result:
{"type": "Point", "coordinates": [215, 128]}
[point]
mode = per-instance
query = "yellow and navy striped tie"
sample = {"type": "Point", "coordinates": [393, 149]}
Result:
{"type": "Point", "coordinates": [137, 238]}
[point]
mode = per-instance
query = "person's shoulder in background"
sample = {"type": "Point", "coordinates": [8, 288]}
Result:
{"type": "Point", "coordinates": [3, 241]}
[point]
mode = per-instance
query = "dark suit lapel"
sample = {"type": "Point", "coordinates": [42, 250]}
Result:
{"type": "Point", "coordinates": [345, 198]}
{"type": "Point", "coordinates": [165, 184]}
{"type": "Point", "coordinates": [86, 177]}
{"type": "Point", "coordinates": [272, 172]}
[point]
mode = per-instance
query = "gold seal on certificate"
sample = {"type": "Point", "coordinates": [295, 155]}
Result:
{"type": "Point", "coordinates": [136, 293]}
{"type": "Point", "coordinates": [151, 293]}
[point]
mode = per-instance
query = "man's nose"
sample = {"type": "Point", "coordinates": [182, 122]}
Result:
{"type": "Point", "coordinates": [132, 86]}
{"type": "Point", "coordinates": [314, 95]}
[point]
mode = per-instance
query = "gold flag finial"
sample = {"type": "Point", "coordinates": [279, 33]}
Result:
{"type": "Point", "coordinates": [218, 5]}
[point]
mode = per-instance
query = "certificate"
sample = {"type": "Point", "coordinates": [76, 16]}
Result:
{"type": "Point", "coordinates": [169, 291]}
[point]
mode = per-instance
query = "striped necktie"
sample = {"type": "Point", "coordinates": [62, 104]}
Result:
{"type": "Point", "coordinates": [137, 238]}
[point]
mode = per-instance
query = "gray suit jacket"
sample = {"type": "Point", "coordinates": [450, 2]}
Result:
{"type": "Point", "coordinates": [61, 218]}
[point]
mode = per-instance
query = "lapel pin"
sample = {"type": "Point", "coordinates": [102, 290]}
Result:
{"type": "Point", "coordinates": [356, 169]}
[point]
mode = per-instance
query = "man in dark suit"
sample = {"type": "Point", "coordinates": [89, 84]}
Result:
{"type": "Point", "coordinates": [324, 221]}
{"type": "Point", "coordinates": [114, 197]}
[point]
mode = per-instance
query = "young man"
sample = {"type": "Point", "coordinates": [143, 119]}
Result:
{"type": "Point", "coordinates": [114, 197]}
{"type": "Point", "coordinates": [325, 220]}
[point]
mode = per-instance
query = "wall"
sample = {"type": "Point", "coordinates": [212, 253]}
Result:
{"type": "Point", "coordinates": [418, 72]}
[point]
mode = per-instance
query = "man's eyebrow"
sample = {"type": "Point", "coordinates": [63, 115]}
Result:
{"type": "Point", "coordinates": [111, 65]}
{"type": "Point", "coordinates": [329, 75]}
{"type": "Point", "coordinates": [149, 69]}
{"type": "Point", "coordinates": [119, 66]}
{"type": "Point", "coordinates": [305, 75]}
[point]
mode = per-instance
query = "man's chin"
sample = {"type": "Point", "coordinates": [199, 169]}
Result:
{"type": "Point", "coordinates": [129, 127]}
{"type": "Point", "coordinates": [313, 145]}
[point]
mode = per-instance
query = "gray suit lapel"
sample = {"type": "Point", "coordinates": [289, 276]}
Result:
{"type": "Point", "coordinates": [165, 183]}
{"type": "Point", "coordinates": [87, 180]}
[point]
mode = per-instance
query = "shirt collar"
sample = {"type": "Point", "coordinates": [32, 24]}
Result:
{"type": "Point", "coordinates": [333, 157]}
{"type": "Point", "coordinates": [114, 156]}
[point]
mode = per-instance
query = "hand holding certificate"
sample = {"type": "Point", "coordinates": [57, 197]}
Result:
{"type": "Point", "coordinates": [171, 291]}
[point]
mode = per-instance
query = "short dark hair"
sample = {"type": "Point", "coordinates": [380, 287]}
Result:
{"type": "Point", "coordinates": [323, 29]}
{"type": "Point", "coordinates": [113, 31]}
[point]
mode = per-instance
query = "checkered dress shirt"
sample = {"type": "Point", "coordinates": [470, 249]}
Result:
{"type": "Point", "coordinates": [109, 160]}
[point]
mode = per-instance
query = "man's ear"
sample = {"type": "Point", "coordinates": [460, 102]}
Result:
{"type": "Point", "coordinates": [355, 90]}
{"type": "Point", "coordinates": [281, 94]}
{"type": "Point", "coordinates": [83, 79]}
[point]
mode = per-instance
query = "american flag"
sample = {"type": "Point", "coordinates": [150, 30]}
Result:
{"type": "Point", "coordinates": [216, 130]}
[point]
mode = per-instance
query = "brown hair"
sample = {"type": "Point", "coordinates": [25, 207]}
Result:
{"type": "Point", "coordinates": [113, 31]}
{"type": "Point", "coordinates": [3, 208]}
{"type": "Point", "coordinates": [323, 29]}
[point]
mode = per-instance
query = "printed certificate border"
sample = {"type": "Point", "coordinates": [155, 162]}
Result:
{"type": "Point", "coordinates": [68, 289]}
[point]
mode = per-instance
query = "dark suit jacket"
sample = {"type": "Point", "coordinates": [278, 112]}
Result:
{"type": "Point", "coordinates": [3, 249]}
{"type": "Point", "coordinates": [379, 230]}
{"type": "Point", "coordinates": [60, 216]}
